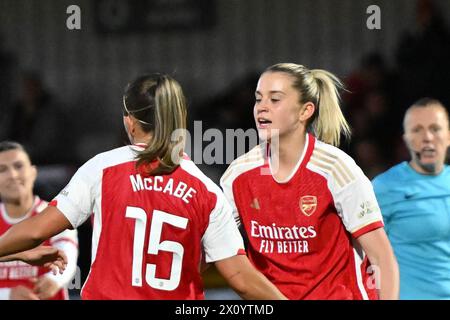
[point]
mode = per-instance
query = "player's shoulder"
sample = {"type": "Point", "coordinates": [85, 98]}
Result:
{"type": "Point", "coordinates": [190, 171]}
{"type": "Point", "coordinates": [332, 162]}
{"type": "Point", "coordinates": [111, 158]}
{"type": "Point", "coordinates": [255, 158]}
{"type": "Point", "coordinates": [117, 155]}
{"type": "Point", "coordinates": [328, 151]}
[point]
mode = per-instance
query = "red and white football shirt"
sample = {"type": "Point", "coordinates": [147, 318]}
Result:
{"type": "Point", "coordinates": [14, 273]}
{"type": "Point", "coordinates": [149, 232]}
{"type": "Point", "coordinates": [301, 231]}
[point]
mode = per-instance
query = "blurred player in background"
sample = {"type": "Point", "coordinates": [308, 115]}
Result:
{"type": "Point", "coordinates": [19, 281]}
{"type": "Point", "coordinates": [414, 198]}
{"type": "Point", "coordinates": [154, 211]}
{"type": "Point", "coordinates": [308, 211]}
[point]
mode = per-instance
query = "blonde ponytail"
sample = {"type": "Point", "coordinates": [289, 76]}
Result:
{"type": "Point", "coordinates": [330, 122]}
{"type": "Point", "coordinates": [321, 88]}
{"type": "Point", "coordinates": [158, 103]}
{"type": "Point", "coordinates": [170, 115]}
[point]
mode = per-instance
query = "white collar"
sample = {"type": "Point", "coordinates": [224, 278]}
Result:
{"type": "Point", "coordinates": [10, 220]}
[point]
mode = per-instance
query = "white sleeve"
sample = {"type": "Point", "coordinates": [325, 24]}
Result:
{"type": "Point", "coordinates": [67, 241]}
{"type": "Point", "coordinates": [76, 200]}
{"type": "Point", "coordinates": [354, 198]}
{"type": "Point", "coordinates": [226, 182]}
{"type": "Point", "coordinates": [222, 238]}
{"type": "Point", "coordinates": [5, 293]}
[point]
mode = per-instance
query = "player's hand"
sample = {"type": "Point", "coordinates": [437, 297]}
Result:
{"type": "Point", "coordinates": [45, 288]}
{"type": "Point", "coordinates": [22, 293]}
{"type": "Point", "coordinates": [46, 256]}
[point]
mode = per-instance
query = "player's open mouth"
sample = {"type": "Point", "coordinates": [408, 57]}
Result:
{"type": "Point", "coordinates": [263, 123]}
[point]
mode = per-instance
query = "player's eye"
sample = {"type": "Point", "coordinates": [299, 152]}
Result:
{"type": "Point", "coordinates": [18, 165]}
{"type": "Point", "coordinates": [435, 129]}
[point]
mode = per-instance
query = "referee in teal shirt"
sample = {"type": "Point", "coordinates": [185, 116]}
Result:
{"type": "Point", "coordinates": [414, 198]}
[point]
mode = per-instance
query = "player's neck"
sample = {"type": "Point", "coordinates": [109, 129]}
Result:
{"type": "Point", "coordinates": [141, 138]}
{"type": "Point", "coordinates": [287, 151]}
{"type": "Point", "coordinates": [290, 149]}
{"type": "Point", "coordinates": [19, 207]}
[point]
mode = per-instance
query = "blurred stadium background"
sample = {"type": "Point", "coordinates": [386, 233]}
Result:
{"type": "Point", "coordinates": [60, 89]}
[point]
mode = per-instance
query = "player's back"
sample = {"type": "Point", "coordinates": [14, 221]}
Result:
{"type": "Point", "coordinates": [148, 230]}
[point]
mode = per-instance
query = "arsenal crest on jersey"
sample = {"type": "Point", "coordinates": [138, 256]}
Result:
{"type": "Point", "coordinates": [308, 205]}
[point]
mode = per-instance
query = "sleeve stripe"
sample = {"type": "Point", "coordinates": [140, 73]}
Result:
{"type": "Point", "coordinates": [346, 172]}
{"type": "Point", "coordinates": [53, 203]}
{"type": "Point", "coordinates": [229, 171]}
{"type": "Point", "coordinates": [328, 170]}
{"type": "Point", "coordinates": [237, 219]}
{"type": "Point", "coordinates": [333, 162]}
{"type": "Point", "coordinates": [334, 165]}
{"type": "Point", "coordinates": [364, 224]}
{"type": "Point", "coordinates": [241, 252]}
{"type": "Point", "coordinates": [253, 156]}
{"type": "Point", "coordinates": [367, 228]}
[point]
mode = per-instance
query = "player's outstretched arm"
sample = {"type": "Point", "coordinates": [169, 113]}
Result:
{"type": "Point", "coordinates": [248, 282]}
{"type": "Point", "coordinates": [32, 232]}
{"type": "Point", "coordinates": [381, 256]}
{"type": "Point", "coordinates": [46, 256]}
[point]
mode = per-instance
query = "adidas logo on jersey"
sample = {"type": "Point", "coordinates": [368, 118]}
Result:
{"type": "Point", "coordinates": [255, 204]}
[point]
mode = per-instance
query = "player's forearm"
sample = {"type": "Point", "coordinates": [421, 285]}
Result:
{"type": "Point", "coordinates": [10, 257]}
{"type": "Point", "coordinates": [246, 280]}
{"type": "Point", "coordinates": [386, 274]}
{"type": "Point", "coordinates": [19, 237]}
{"type": "Point", "coordinates": [382, 259]}
{"type": "Point", "coordinates": [257, 287]}
{"type": "Point", "coordinates": [389, 278]}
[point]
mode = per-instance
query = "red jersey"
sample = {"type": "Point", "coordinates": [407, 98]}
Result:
{"type": "Point", "coordinates": [301, 231]}
{"type": "Point", "coordinates": [149, 232]}
{"type": "Point", "coordinates": [14, 273]}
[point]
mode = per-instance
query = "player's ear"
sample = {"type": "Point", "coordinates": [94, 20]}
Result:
{"type": "Point", "coordinates": [307, 111]}
{"type": "Point", "coordinates": [405, 140]}
{"type": "Point", "coordinates": [448, 139]}
{"type": "Point", "coordinates": [33, 173]}
{"type": "Point", "coordinates": [129, 124]}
